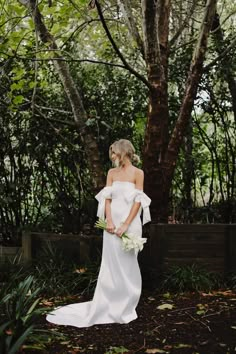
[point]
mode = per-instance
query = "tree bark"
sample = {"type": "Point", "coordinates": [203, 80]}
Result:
{"type": "Point", "coordinates": [228, 71]}
{"type": "Point", "coordinates": [193, 79]}
{"type": "Point", "coordinates": [79, 113]}
{"type": "Point", "coordinates": [133, 30]}
{"type": "Point", "coordinates": [156, 136]}
{"type": "Point", "coordinates": [159, 159]}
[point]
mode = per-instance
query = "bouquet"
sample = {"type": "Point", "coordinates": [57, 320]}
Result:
{"type": "Point", "coordinates": [129, 241]}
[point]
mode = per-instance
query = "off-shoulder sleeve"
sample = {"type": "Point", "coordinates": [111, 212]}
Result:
{"type": "Point", "coordinates": [140, 197]}
{"type": "Point", "coordinates": [105, 193]}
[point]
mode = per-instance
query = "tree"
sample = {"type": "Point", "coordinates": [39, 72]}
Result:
{"type": "Point", "coordinates": [156, 31]}
{"type": "Point", "coordinates": [161, 150]}
{"type": "Point", "coordinates": [72, 92]}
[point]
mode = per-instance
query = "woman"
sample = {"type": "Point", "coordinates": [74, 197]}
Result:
{"type": "Point", "coordinates": [119, 282]}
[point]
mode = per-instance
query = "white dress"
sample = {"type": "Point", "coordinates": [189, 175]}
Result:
{"type": "Point", "coordinates": [119, 282]}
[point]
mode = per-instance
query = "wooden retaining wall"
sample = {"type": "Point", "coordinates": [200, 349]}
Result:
{"type": "Point", "coordinates": [78, 248]}
{"type": "Point", "coordinates": [212, 246]}
{"type": "Point", "coordinates": [8, 254]}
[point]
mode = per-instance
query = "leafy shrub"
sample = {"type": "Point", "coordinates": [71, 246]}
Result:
{"type": "Point", "coordinates": [13, 270]}
{"type": "Point", "coordinates": [190, 278]}
{"type": "Point", "coordinates": [234, 282]}
{"type": "Point", "coordinates": [58, 276]}
{"type": "Point", "coordinates": [231, 281]}
{"type": "Point", "coordinates": [20, 312]}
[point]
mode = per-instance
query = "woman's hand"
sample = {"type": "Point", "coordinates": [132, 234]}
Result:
{"type": "Point", "coordinates": [122, 229]}
{"type": "Point", "coordinates": [110, 227]}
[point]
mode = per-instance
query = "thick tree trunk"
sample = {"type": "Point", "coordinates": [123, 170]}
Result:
{"type": "Point", "coordinates": [80, 115]}
{"type": "Point", "coordinates": [159, 162]}
{"type": "Point", "coordinates": [156, 137]}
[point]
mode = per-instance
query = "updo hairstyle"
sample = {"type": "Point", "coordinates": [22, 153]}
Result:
{"type": "Point", "coordinates": [124, 149]}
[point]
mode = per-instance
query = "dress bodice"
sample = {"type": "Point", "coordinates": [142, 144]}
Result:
{"type": "Point", "coordinates": [126, 191]}
{"type": "Point", "coordinates": [120, 189]}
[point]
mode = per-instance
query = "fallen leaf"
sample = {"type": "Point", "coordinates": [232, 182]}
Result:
{"type": "Point", "coordinates": [180, 345]}
{"type": "Point", "coordinates": [168, 347]}
{"type": "Point", "coordinates": [150, 298]}
{"type": "Point", "coordinates": [80, 270]}
{"type": "Point", "coordinates": [205, 342]}
{"type": "Point", "coordinates": [155, 350]}
{"type": "Point", "coordinates": [165, 307]}
{"type": "Point", "coordinates": [46, 303]}
{"type": "Point", "coordinates": [222, 345]}
{"type": "Point", "coordinates": [201, 312]}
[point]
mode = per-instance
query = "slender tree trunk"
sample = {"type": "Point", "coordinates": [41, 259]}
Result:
{"type": "Point", "coordinates": [228, 67]}
{"type": "Point", "coordinates": [80, 115]}
{"type": "Point", "coordinates": [188, 172]}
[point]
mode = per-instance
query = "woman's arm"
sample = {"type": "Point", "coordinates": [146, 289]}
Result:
{"type": "Point", "coordinates": [135, 208]}
{"type": "Point", "coordinates": [110, 226]}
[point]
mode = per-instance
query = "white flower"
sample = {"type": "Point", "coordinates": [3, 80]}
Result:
{"type": "Point", "coordinates": [129, 241]}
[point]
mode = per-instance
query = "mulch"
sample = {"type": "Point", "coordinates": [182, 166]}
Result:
{"type": "Point", "coordinates": [203, 323]}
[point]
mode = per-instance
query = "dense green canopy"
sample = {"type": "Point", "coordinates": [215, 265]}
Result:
{"type": "Point", "coordinates": [46, 181]}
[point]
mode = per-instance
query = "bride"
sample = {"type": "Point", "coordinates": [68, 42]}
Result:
{"type": "Point", "coordinates": [119, 282]}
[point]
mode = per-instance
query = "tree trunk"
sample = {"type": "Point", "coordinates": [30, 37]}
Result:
{"type": "Point", "coordinates": [159, 162]}
{"type": "Point", "coordinates": [228, 67]}
{"type": "Point", "coordinates": [188, 172]}
{"type": "Point", "coordinates": [156, 136]}
{"type": "Point", "coordinates": [80, 115]}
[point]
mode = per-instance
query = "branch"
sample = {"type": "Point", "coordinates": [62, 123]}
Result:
{"type": "Point", "coordinates": [192, 83]}
{"type": "Point", "coordinates": [151, 40]}
{"type": "Point", "coordinates": [71, 123]}
{"type": "Point", "coordinates": [221, 56]}
{"type": "Point", "coordinates": [120, 55]}
{"type": "Point", "coordinates": [35, 69]}
{"type": "Point", "coordinates": [182, 27]}
{"type": "Point", "coordinates": [127, 12]}
{"type": "Point", "coordinates": [82, 26]}
{"type": "Point", "coordinates": [63, 59]}
{"type": "Point", "coordinates": [163, 33]}
{"type": "Point", "coordinates": [57, 131]}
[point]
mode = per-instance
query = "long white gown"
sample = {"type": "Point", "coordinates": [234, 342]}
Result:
{"type": "Point", "coordinates": [119, 282]}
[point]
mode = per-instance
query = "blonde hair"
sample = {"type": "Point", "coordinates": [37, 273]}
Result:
{"type": "Point", "coordinates": [124, 149]}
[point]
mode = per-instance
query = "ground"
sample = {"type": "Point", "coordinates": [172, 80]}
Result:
{"type": "Point", "coordinates": [203, 323]}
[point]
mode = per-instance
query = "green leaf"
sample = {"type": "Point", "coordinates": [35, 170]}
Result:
{"type": "Point", "coordinates": [32, 84]}
{"type": "Point", "coordinates": [20, 341]}
{"type": "Point", "coordinates": [18, 99]}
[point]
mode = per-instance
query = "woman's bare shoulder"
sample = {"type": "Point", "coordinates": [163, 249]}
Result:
{"type": "Point", "coordinates": [138, 172]}
{"type": "Point", "coordinates": [111, 171]}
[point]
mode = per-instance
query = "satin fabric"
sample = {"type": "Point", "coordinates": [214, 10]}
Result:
{"type": "Point", "coordinates": [119, 282]}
